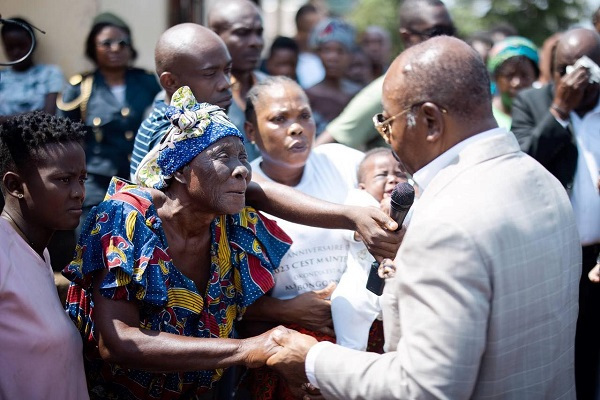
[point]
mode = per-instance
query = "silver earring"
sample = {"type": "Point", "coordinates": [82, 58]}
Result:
{"type": "Point", "coordinates": [20, 195]}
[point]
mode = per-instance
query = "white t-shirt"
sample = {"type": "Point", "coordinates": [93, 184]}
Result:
{"type": "Point", "coordinates": [353, 306]}
{"type": "Point", "coordinates": [317, 256]}
{"type": "Point", "coordinates": [584, 195]}
{"type": "Point", "coordinates": [309, 70]}
{"type": "Point", "coordinates": [119, 92]}
{"type": "Point", "coordinates": [40, 348]}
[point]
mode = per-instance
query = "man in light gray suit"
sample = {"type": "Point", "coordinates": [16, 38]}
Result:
{"type": "Point", "coordinates": [484, 302]}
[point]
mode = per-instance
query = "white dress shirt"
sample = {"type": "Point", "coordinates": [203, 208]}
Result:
{"type": "Point", "coordinates": [584, 194]}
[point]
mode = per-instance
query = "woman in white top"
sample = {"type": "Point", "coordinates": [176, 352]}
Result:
{"type": "Point", "coordinates": [280, 121]}
{"type": "Point", "coordinates": [42, 164]}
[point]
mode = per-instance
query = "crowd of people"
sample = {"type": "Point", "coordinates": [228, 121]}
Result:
{"type": "Point", "coordinates": [206, 230]}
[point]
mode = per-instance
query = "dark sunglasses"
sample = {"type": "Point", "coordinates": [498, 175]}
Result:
{"type": "Point", "coordinates": [109, 43]}
{"type": "Point", "coordinates": [438, 30]}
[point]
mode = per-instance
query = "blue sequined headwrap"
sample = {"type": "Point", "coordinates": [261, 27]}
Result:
{"type": "Point", "coordinates": [194, 127]}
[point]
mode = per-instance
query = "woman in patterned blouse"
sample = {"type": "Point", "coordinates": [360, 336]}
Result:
{"type": "Point", "coordinates": [162, 272]}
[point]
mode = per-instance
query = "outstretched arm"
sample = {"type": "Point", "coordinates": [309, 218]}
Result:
{"type": "Point", "coordinates": [122, 341]}
{"type": "Point", "coordinates": [375, 227]}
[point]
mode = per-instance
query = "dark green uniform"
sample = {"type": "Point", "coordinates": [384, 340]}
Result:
{"type": "Point", "coordinates": [112, 125]}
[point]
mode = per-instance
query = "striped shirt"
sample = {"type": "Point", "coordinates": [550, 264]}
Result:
{"type": "Point", "coordinates": [149, 134]}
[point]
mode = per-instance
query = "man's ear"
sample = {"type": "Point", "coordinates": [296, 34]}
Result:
{"type": "Point", "coordinates": [169, 82]}
{"type": "Point", "coordinates": [434, 119]}
{"type": "Point", "coordinates": [250, 131]}
{"type": "Point", "coordinates": [13, 184]}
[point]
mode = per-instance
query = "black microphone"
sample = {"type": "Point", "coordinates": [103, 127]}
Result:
{"type": "Point", "coordinates": [401, 200]}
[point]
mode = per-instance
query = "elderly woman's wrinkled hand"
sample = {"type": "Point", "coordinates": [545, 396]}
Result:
{"type": "Point", "coordinates": [289, 362]}
{"type": "Point", "coordinates": [258, 349]}
{"type": "Point", "coordinates": [378, 232]}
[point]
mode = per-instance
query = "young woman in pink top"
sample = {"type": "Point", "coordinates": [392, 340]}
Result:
{"type": "Point", "coordinates": [42, 166]}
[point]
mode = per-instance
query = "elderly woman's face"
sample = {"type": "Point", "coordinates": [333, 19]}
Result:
{"type": "Point", "coordinates": [285, 129]}
{"type": "Point", "coordinates": [113, 48]}
{"type": "Point", "coordinates": [218, 177]}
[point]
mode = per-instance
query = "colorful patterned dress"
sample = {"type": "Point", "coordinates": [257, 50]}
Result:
{"type": "Point", "coordinates": [124, 235]}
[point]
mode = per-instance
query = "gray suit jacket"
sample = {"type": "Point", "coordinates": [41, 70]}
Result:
{"type": "Point", "coordinates": [484, 302]}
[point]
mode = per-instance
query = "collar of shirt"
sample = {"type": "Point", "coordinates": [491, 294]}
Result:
{"type": "Point", "coordinates": [584, 192]}
{"type": "Point", "coordinates": [576, 120]}
{"type": "Point", "coordinates": [423, 176]}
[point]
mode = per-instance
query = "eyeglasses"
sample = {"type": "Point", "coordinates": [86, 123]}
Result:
{"type": "Point", "coordinates": [438, 30]}
{"type": "Point", "coordinates": [383, 125]}
{"type": "Point", "coordinates": [110, 43]}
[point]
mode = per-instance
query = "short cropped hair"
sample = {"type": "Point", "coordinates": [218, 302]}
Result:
{"type": "Point", "coordinates": [284, 42]}
{"type": "Point", "coordinates": [461, 85]}
{"type": "Point", "coordinates": [360, 173]}
{"type": "Point", "coordinates": [23, 135]}
{"type": "Point", "coordinates": [302, 11]}
{"type": "Point", "coordinates": [258, 89]}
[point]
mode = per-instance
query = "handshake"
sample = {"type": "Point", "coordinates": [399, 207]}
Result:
{"type": "Point", "coordinates": [285, 351]}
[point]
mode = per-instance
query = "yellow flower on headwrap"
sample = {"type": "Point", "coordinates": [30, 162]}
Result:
{"type": "Point", "coordinates": [194, 127]}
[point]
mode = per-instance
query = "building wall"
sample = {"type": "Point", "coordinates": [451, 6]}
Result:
{"type": "Point", "coordinates": [67, 23]}
{"type": "Point", "coordinates": [279, 18]}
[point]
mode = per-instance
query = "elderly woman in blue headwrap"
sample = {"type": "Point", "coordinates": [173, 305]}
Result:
{"type": "Point", "coordinates": [161, 274]}
{"type": "Point", "coordinates": [513, 64]}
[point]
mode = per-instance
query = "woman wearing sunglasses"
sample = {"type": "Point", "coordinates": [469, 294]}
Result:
{"type": "Point", "coordinates": [111, 101]}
